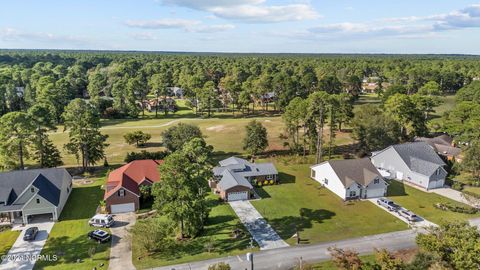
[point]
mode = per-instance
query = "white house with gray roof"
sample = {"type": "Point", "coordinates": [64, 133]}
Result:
{"type": "Point", "coordinates": [29, 193]}
{"type": "Point", "coordinates": [350, 178]}
{"type": "Point", "coordinates": [234, 178]}
{"type": "Point", "coordinates": [416, 163]}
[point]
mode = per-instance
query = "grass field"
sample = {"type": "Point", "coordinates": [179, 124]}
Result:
{"type": "Point", "coordinates": [422, 203]}
{"type": "Point", "coordinates": [475, 190]}
{"type": "Point", "coordinates": [7, 238]}
{"type": "Point", "coordinates": [221, 223]}
{"type": "Point", "coordinates": [68, 238]}
{"type": "Point", "coordinates": [329, 265]}
{"type": "Point", "coordinates": [319, 215]}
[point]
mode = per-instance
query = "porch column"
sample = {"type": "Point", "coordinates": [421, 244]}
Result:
{"type": "Point", "coordinates": [11, 217]}
{"type": "Point", "coordinates": [24, 217]}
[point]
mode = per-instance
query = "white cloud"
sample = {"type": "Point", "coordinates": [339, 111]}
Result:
{"type": "Point", "coordinates": [11, 34]}
{"type": "Point", "coordinates": [144, 36]}
{"type": "Point", "coordinates": [187, 25]}
{"type": "Point", "coordinates": [250, 11]}
{"type": "Point", "coordinates": [162, 23]}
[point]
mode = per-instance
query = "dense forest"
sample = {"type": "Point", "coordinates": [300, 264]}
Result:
{"type": "Point", "coordinates": [41, 89]}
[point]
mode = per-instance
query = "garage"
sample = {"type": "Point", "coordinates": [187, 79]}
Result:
{"type": "Point", "coordinates": [237, 196]}
{"type": "Point", "coordinates": [375, 192]}
{"type": "Point", "coordinates": [122, 208]}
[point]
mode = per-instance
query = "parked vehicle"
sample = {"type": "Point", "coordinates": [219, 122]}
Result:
{"type": "Point", "coordinates": [99, 235]}
{"type": "Point", "coordinates": [409, 215]}
{"type": "Point", "coordinates": [389, 204]}
{"type": "Point", "coordinates": [102, 220]}
{"type": "Point", "coordinates": [30, 234]}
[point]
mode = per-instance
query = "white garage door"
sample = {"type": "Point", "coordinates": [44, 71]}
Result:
{"type": "Point", "coordinates": [237, 196]}
{"type": "Point", "coordinates": [122, 208]}
{"type": "Point", "coordinates": [375, 192]}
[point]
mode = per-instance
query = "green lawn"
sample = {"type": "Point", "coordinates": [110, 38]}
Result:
{"type": "Point", "coordinates": [475, 190]}
{"type": "Point", "coordinates": [68, 238]}
{"type": "Point", "coordinates": [222, 221]}
{"type": "Point", "coordinates": [7, 238]}
{"type": "Point", "coordinates": [422, 203]}
{"type": "Point", "coordinates": [319, 214]}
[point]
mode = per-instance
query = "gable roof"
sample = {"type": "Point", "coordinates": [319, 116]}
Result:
{"type": "Point", "coordinates": [47, 189]}
{"type": "Point", "coordinates": [442, 144]}
{"type": "Point", "coordinates": [350, 171]}
{"type": "Point", "coordinates": [234, 170]}
{"type": "Point", "coordinates": [48, 181]}
{"type": "Point", "coordinates": [131, 175]}
{"type": "Point", "coordinates": [419, 157]}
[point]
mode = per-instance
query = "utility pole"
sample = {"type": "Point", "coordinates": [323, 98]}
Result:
{"type": "Point", "coordinates": [250, 259]}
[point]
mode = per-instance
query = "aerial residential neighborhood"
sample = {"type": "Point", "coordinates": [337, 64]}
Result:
{"type": "Point", "coordinates": [232, 135]}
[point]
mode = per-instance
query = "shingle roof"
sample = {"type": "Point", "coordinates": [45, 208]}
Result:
{"type": "Point", "coordinates": [131, 175]}
{"type": "Point", "coordinates": [234, 171]}
{"type": "Point", "coordinates": [419, 157]}
{"type": "Point", "coordinates": [48, 181]}
{"type": "Point", "coordinates": [442, 144]}
{"type": "Point", "coordinates": [350, 171]}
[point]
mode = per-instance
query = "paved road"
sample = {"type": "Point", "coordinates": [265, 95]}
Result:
{"type": "Point", "coordinates": [27, 250]}
{"type": "Point", "coordinates": [422, 223]}
{"type": "Point", "coordinates": [261, 231]}
{"type": "Point", "coordinates": [453, 195]}
{"type": "Point", "coordinates": [285, 258]}
{"type": "Point", "coordinates": [121, 250]}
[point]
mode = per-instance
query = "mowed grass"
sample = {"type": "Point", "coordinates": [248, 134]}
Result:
{"type": "Point", "coordinates": [68, 238]}
{"type": "Point", "coordinates": [422, 203]}
{"type": "Point", "coordinates": [330, 265]}
{"type": "Point", "coordinates": [221, 223]}
{"type": "Point", "coordinates": [7, 238]}
{"type": "Point", "coordinates": [224, 134]}
{"type": "Point", "coordinates": [475, 190]}
{"type": "Point", "coordinates": [319, 215]}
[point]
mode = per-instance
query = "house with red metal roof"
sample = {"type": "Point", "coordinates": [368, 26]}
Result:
{"type": "Point", "coordinates": [122, 192]}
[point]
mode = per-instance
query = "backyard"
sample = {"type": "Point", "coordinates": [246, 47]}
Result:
{"type": "Point", "coordinates": [218, 231]}
{"type": "Point", "coordinates": [319, 215]}
{"type": "Point", "coordinates": [68, 238]}
{"type": "Point", "coordinates": [422, 203]}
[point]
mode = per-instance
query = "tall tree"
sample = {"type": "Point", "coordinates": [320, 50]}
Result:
{"type": "Point", "coordinates": [175, 137]}
{"type": "Point", "coordinates": [318, 105]}
{"type": "Point", "coordinates": [255, 140]}
{"type": "Point", "coordinates": [16, 129]}
{"type": "Point", "coordinates": [85, 140]}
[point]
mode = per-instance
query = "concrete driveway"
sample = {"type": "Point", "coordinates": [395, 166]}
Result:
{"type": "Point", "coordinates": [121, 250]}
{"type": "Point", "coordinates": [453, 195]}
{"type": "Point", "coordinates": [261, 231]}
{"type": "Point", "coordinates": [23, 254]}
{"type": "Point", "coordinates": [421, 223]}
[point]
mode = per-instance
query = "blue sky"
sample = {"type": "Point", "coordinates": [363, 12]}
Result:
{"type": "Point", "coordinates": [302, 26]}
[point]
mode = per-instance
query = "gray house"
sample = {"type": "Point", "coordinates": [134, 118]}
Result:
{"type": "Point", "coordinates": [235, 177]}
{"type": "Point", "coordinates": [30, 193]}
{"type": "Point", "coordinates": [416, 163]}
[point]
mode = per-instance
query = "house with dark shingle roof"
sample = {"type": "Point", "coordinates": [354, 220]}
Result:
{"type": "Point", "coordinates": [235, 177]}
{"type": "Point", "coordinates": [443, 145]}
{"type": "Point", "coordinates": [122, 192]}
{"type": "Point", "coordinates": [27, 194]}
{"type": "Point", "coordinates": [416, 163]}
{"type": "Point", "coordinates": [350, 178]}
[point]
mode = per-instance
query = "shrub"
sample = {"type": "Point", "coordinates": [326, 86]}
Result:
{"type": "Point", "coordinates": [131, 156]}
{"type": "Point", "coordinates": [456, 208]}
{"type": "Point", "coordinates": [219, 266]}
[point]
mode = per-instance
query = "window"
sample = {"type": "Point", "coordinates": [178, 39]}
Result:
{"type": "Point", "coordinates": [38, 200]}
{"type": "Point", "coordinates": [376, 181]}
{"type": "Point", "coordinates": [269, 177]}
{"type": "Point", "coordinates": [121, 193]}
{"type": "Point", "coordinates": [313, 174]}
{"type": "Point", "coordinates": [353, 193]}
{"type": "Point", "coordinates": [32, 190]}
{"type": "Point", "coordinates": [325, 181]}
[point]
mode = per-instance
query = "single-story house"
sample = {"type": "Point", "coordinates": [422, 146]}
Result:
{"type": "Point", "coordinates": [350, 178]}
{"type": "Point", "coordinates": [26, 194]}
{"type": "Point", "coordinates": [416, 163]}
{"type": "Point", "coordinates": [122, 193]}
{"type": "Point", "coordinates": [235, 177]}
{"type": "Point", "coordinates": [443, 145]}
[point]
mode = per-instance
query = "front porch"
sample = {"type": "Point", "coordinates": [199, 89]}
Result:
{"type": "Point", "coordinates": [11, 218]}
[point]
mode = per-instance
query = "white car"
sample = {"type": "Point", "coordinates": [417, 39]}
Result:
{"type": "Point", "coordinates": [101, 220]}
{"type": "Point", "coordinates": [409, 215]}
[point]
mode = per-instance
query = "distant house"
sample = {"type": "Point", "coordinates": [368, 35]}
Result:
{"type": "Point", "coordinates": [443, 145]}
{"type": "Point", "coordinates": [176, 92]}
{"type": "Point", "coordinates": [27, 194]}
{"type": "Point", "coordinates": [235, 177]}
{"type": "Point", "coordinates": [350, 178]}
{"type": "Point", "coordinates": [122, 193]}
{"type": "Point", "coordinates": [416, 163]}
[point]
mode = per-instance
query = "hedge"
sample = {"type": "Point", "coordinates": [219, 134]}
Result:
{"type": "Point", "coordinates": [131, 156]}
{"type": "Point", "coordinates": [454, 208]}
